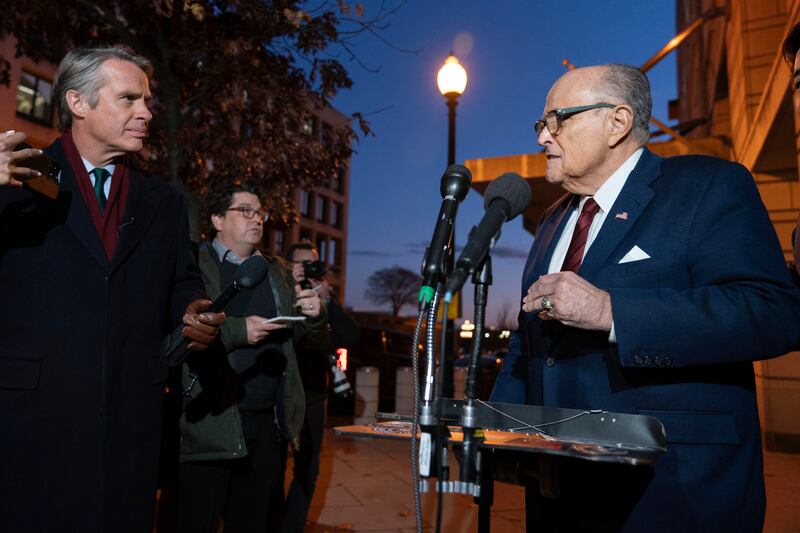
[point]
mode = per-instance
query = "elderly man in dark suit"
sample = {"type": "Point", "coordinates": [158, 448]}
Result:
{"type": "Point", "coordinates": [650, 288]}
{"type": "Point", "coordinates": [791, 54]}
{"type": "Point", "coordinates": [91, 282]}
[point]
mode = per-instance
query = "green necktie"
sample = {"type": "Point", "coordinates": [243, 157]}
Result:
{"type": "Point", "coordinates": [100, 177]}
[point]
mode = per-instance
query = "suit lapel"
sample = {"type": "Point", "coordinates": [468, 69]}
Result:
{"type": "Point", "coordinates": [141, 207]}
{"type": "Point", "coordinates": [79, 220]}
{"type": "Point", "coordinates": [632, 199]}
{"type": "Point", "coordinates": [547, 238]}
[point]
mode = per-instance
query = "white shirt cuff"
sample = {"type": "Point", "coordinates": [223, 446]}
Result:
{"type": "Point", "coordinates": [612, 335]}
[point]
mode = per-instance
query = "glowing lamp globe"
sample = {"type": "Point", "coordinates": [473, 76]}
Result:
{"type": "Point", "coordinates": [452, 78]}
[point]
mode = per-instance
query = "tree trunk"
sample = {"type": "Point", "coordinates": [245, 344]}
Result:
{"type": "Point", "coordinates": [172, 123]}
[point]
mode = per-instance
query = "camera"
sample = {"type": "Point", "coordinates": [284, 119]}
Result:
{"type": "Point", "coordinates": [314, 269]}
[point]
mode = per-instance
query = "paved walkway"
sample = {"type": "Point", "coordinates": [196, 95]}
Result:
{"type": "Point", "coordinates": [365, 485]}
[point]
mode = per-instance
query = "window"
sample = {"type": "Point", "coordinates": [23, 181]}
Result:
{"type": "Point", "coordinates": [305, 236]}
{"type": "Point", "coordinates": [336, 215]}
{"type": "Point", "coordinates": [35, 99]}
{"type": "Point", "coordinates": [310, 126]}
{"type": "Point", "coordinates": [336, 252]}
{"type": "Point", "coordinates": [277, 245]}
{"type": "Point", "coordinates": [305, 204]}
{"type": "Point", "coordinates": [337, 182]}
{"type": "Point", "coordinates": [322, 209]}
{"type": "Point", "coordinates": [322, 247]}
{"type": "Point", "coordinates": [327, 135]}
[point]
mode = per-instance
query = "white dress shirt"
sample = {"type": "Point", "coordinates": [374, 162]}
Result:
{"type": "Point", "coordinates": [605, 197]}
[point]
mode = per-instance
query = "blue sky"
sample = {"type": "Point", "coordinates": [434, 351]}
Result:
{"type": "Point", "coordinates": [512, 51]}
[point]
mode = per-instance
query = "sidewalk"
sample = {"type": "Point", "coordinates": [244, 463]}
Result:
{"type": "Point", "coordinates": [365, 485]}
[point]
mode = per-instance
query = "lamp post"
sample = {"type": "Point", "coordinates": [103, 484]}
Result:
{"type": "Point", "coordinates": [452, 80]}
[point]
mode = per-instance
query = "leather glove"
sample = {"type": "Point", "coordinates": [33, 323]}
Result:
{"type": "Point", "coordinates": [199, 328]}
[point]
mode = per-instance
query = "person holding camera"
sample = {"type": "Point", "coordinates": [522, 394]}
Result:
{"type": "Point", "coordinates": [315, 367]}
{"type": "Point", "coordinates": [240, 410]}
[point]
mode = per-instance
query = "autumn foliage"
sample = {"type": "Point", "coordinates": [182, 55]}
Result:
{"type": "Point", "coordinates": [236, 83]}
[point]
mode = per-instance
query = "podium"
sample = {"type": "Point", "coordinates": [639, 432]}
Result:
{"type": "Point", "coordinates": [522, 441]}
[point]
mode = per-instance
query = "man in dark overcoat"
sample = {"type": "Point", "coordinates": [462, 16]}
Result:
{"type": "Point", "coordinates": [91, 282]}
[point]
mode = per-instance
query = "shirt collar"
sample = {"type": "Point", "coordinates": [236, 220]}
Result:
{"type": "Point", "coordinates": [226, 254]}
{"type": "Point", "coordinates": [89, 167]}
{"type": "Point", "coordinates": [607, 194]}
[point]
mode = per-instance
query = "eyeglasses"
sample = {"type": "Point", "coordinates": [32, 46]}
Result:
{"type": "Point", "coordinates": [249, 212]}
{"type": "Point", "coordinates": [552, 120]}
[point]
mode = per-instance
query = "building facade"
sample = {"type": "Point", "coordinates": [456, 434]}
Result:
{"type": "Point", "coordinates": [27, 103]}
{"type": "Point", "coordinates": [323, 213]}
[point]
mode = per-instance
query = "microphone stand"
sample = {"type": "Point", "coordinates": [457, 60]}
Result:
{"type": "Point", "coordinates": [428, 456]}
{"type": "Point", "coordinates": [470, 460]}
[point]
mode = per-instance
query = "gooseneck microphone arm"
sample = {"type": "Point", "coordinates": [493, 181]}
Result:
{"type": "Point", "coordinates": [481, 278]}
{"type": "Point", "coordinates": [427, 417]}
{"type": "Point", "coordinates": [470, 462]}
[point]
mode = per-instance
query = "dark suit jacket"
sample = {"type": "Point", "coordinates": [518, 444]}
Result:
{"type": "Point", "coordinates": [714, 296]}
{"type": "Point", "coordinates": [81, 382]}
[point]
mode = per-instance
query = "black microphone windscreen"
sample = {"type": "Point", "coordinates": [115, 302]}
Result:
{"type": "Point", "coordinates": [251, 272]}
{"type": "Point", "coordinates": [455, 182]}
{"type": "Point", "coordinates": [512, 188]}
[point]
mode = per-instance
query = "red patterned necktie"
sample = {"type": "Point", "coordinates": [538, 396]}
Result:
{"type": "Point", "coordinates": [574, 257]}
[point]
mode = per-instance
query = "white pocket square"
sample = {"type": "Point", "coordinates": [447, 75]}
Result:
{"type": "Point", "coordinates": [634, 254]}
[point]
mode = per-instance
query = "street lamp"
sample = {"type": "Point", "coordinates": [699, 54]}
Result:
{"type": "Point", "coordinates": [452, 80]}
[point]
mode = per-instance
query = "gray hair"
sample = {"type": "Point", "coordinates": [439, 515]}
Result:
{"type": "Point", "coordinates": [630, 86]}
{"type": "Point", "coordinates": [78, 71]}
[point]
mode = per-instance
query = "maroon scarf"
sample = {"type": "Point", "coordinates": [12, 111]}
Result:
{"type": "Point", "coordinates": [106, 224]}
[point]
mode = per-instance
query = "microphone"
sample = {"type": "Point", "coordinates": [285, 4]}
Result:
{"type": "Point", "coordinates": [247, 276]}
{"type": "Point", "coordinates": [454, 188]}
{"type": "Point", "coordinates": [506, 197]}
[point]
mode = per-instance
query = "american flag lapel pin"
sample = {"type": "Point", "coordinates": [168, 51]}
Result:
{"type": "Point", "coordinates": [621, 216]}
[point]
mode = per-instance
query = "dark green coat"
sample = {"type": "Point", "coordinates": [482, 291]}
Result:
{"type": "Point", "coordinates": [210, 424]}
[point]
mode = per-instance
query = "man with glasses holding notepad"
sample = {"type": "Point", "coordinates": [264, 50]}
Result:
{"type": "Point", "coordinates": [238, 410]}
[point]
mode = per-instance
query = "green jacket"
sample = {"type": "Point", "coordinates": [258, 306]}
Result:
{"type": "Point", "coordinates": [210, 424]}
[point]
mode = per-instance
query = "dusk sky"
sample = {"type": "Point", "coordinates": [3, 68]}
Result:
{"type": "Point", "coordinates": [512, 51]}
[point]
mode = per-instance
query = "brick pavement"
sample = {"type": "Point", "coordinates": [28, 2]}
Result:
{"type": "Point", "coordinates": [365, 485]}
